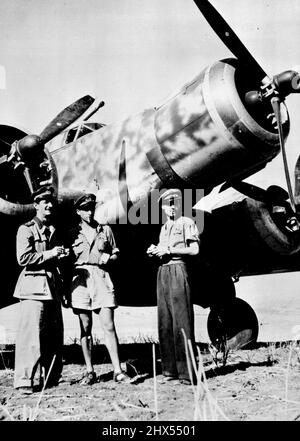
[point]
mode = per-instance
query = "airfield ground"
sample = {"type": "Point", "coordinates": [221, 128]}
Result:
{"type": "Point", "coordinates": [261, 384]}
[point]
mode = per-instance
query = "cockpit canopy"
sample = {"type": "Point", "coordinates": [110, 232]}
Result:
{"type": "Point", "coordinates": [72, 134]}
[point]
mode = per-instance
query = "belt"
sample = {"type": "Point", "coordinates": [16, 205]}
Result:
{"type": "Point", "coordinates": [78, 265]}
{"type": "Point", "coordinates": [173, 261]}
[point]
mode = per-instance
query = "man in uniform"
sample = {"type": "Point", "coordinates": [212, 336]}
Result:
{"type": "Point", "coordinates": [94, 249]}
{"type": "Point", "coordinates": [178, 243]}
{"type": "Point", "coordinates": [39, 341]}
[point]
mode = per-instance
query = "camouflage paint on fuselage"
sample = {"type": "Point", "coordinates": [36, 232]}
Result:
{"type": "Point", "coordinates": [199, 138]}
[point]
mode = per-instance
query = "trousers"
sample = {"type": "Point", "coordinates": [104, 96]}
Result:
{"type": "Point", "coordinates": [39, 339]}
{"type": "Point", "coordinates": [175, 313]}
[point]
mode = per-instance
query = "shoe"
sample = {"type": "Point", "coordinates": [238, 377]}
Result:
{"type": "Point", "coordinates": [52, 384]}
{"type": "Point", "coordinates": [168, 379]}
{"type": "Point", "coordinates": [88, 379]}
{"type": "Point", "coordinates": [121, 377]}
{"type": "Point", "coordinates": [185, 381]}
{"type": "Point", "coordinates": [25, 390]}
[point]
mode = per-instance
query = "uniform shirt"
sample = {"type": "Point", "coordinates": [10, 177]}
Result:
{"type": "Point", "coordinates": [88, 248]}
{"type": "Point", "coordinates": [33, 243]}
{"type": "Point", "coordinates": [178, 233]}
{"type": "Point", "coordinates": [40, 274]}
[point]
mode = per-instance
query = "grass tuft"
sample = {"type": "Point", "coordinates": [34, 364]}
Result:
{"type": "Point", "coordinates": [206, 407]}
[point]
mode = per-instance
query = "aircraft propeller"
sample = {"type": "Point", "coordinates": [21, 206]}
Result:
{"type": "Point", "coordinates": [297, 181]}
{"type": "Point", "coordinates": [28, 147]}
{"type": "Point", "coordinates": [275, 197]}
{"type": "Point", "coordinates": [29, 153]}
{"type": "Point", "coordinates": [66, 117]}
{"type": "Point", "coordinates": [272, 195]}
{"type": "Point", "coordinates": [271, 90]}
{"type": "Point", "coordinates": [229, 38]}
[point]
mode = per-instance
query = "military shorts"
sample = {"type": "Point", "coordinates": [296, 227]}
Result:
{"type": "Point", "coordinates": [92, 289]}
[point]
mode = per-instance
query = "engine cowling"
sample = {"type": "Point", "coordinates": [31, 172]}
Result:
{"type": "Point", "coordinates": [248, 236]}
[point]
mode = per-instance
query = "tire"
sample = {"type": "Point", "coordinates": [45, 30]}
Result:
{"type": "Point", "coordinates": [233, 325]}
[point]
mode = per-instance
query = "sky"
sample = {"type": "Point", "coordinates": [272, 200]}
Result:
{"type": "Point", "coordinates": [132, 54]}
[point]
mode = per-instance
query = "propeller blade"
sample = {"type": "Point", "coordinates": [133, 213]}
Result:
{"type": "Point", "coordinates": [28, 179]}
{"type": "Point", "coordinates": [251, 191]}
{"type": "Point", "coordinates": [277, 194]}
{"type": "Point", "coordinates": [275, 101]}
{"type": "Point", "coordinates": [273, 194]}
{"type": "Point", "coordinates": [229, 38]}
{"type": "Point", "coordinates": [3, 159]}
{"type": "Point", "coordinates": [66, 117]}
{"type": "Point", "coordinates": [297, 181]}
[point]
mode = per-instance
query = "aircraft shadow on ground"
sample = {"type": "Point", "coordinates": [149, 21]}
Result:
{"type": "Point", "coordinates": [139, 359]}
{"type": "Point", "coordinates": [230, 368]}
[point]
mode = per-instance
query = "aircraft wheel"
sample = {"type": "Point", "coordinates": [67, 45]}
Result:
{"type": "Point", "coordinates": [232, 326]}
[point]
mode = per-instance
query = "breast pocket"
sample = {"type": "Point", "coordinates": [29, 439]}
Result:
{"type": "Point", "coordinates": [78, 247]}
{"type": "Point", "coordinates": [178, 231]}
{"type": "Point", "coordinates": [39, 245]}
{"type": "Point", "coordinates": [177, 236]}
{"type": "Point", "coordinates": [102, 244]}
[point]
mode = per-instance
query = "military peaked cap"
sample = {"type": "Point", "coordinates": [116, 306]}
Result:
{"type": "Point", "coordinates": [84, 201]}
{"type": "Point", "coordinates": [172, 193]}
{"type": "Point", "coordinates": [44, 192]}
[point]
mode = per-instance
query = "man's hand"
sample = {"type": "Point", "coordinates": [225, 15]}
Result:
{"type": "Point", "coordinates": [60, 252]}
{"type": "Point", "coordinates": [150, 251]}
{"type": "Point", "coordinates": [104, 258]}
{"type": "Point", "coordinates": [157, 250]}
{"type": "Point", "coordinates": [160, 251]}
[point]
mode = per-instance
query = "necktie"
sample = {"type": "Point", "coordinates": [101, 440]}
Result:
{"type": "Point", "coordinates": [47, 235]}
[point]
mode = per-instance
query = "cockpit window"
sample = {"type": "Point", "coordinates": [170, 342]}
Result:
{"type": "Point", "coordinates": [81, 130]}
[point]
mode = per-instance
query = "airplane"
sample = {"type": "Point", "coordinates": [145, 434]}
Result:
{"type": "Point", "coordinates": [220, 128]}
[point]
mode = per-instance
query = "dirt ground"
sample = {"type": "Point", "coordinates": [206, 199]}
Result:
{"type": "Point", "coordinates": [261, 384]}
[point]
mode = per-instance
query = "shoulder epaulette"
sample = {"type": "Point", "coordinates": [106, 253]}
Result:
{"type": "Point", "coordinates": [29, 223]}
